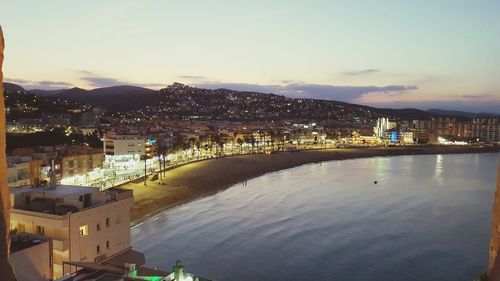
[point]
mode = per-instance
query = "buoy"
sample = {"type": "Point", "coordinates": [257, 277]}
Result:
{"type": "Point", "coordinates": [375, 182]}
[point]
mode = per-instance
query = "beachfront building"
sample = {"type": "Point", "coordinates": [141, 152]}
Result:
{"type": "Point", "coordinates": [406, 137]}
{"type": "Point", "coordinates": [85, 224]}
{"type": "Point", "coordinates": [123, 151]}
{"type": "Point", "coordinates": [486, 128]}
{"type": "Point", "coordinates": [67, 162]}
{"type": "Point", "coordinates": [383, 127]}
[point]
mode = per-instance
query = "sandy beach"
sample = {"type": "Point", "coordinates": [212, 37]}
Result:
{"type": "Point", "coordinates": [195, 180]}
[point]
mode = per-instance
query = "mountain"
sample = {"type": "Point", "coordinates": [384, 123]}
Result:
{"type": "Point", "coordinates": [12, 87]}
{"type": "Point", "coordinates": [459, 113]}
{"type": "Point", "coordinates": [46, 93]}
{"type": "Point", "coordinates": [121, 90]}
{"type": "Point", "coordinates": [180, 101]}
{"type": "Point", "coordinates": [116, 98]}
{"type": "Point", "coordinates": [80, 93]}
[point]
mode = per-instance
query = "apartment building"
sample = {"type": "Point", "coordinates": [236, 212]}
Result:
{"type": "Point", "coordinates": [85, 224]}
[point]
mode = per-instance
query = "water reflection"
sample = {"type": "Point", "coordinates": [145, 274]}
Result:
{"type": "Point", "coordinates": [331, 220]}
{"type": "Point", "coordinates": [438, 170]}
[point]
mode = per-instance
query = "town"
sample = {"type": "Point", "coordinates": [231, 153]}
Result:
{"type": "Point", "coordinates": [67, 152]}
{"type": "Point", "coordinates": [102, 147]}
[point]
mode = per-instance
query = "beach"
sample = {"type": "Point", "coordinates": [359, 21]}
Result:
{"type": "Point", "coordinates": [195, 180]}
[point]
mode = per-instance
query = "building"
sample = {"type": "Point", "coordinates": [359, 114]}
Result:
{"type": "Point", "coordinates": [124, 146]}
{"type": "Point", "coordinates": [85, 224]}
{"type": "Point", "coordinates": [31, 257]}
{"type": "Point", "coordinates": [65, 161]}
{"type": "Point", "coordinates": [406, 137]}
{"type": "Point", "coordinates": [23, 170]}
{"type": "Point", "coordinates": [125, 270]}
{"type": "Point", "coordinates": [486, 129]}
{"type": "Point", "coordinates": [382, 127]}
{"type": "Point", "coordinates": [450, 127]}
{"type": "Point", "coordinates": [72, 162]}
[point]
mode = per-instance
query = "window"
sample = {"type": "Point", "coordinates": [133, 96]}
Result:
{"type": "Point", "coordinates": [108, 224]}
{"type": "Point", "coordinates": [118, 219]}
{"type": "Point", "coordinates": [107, 244]}
{"type": "Point", "coordinates": [98, 248]}
{"type": "Point", "coordinates": [40, 229]}
{"type": "Point", "coordinates": [98, 226]}
{"type": "Point", "coordinates": [84, 230]}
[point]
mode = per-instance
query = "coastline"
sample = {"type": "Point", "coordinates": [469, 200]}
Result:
{"type": "Point", "coordinates": [195, 180]}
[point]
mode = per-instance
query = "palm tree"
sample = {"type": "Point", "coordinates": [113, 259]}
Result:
{"type": "Point", "coordinates": [240, 143]}
{"type": "Point", "coordinates": [162, 153]}
{"type": "Point", "coordinates": [145, 158]}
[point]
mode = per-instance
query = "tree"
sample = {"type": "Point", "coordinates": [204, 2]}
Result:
{"type": "Point", "coordinates": [240, 143]}
{"type": "Point", "coordinates": [145, 158]}
{"type": "Point", "coordinates": [6, 268]}
{"type": "Point", "coordinates": [162, 153]}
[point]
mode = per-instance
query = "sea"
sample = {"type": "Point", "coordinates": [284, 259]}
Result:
{"type": "Point", "coordinates": [421, 217]}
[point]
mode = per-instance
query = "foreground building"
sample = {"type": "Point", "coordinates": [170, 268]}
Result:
{"type": "Point", "coordinates": [31, 257]}
{"type": "Point", "coordinates": [126, 271]}
{"type": "Point", "coordinates": [84, 223]}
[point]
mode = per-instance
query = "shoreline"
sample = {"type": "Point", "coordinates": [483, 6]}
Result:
{"type": "Point", "coordinates": [199, 179]}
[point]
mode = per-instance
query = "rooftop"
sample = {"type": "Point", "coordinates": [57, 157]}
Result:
{"type": "Point", "coordinates": [21, 241]}
{"type": "Point", "coordinates": [63, 198]}
{"type": "Point", "coordinates": [60, 190]}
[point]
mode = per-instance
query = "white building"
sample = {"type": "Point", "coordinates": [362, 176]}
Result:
{"type": "Point", "coordinates": [85, 224]}
{"type": "Point", "coordinates": [383, 125]}
{"type": "Point", "coordinates": [124, 146]}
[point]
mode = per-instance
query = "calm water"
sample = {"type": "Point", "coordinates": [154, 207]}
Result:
{"type": "Point", "coordinates": [428, 218]}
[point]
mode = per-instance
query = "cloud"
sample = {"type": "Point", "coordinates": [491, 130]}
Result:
{"type": "Point", "coordinates": [98, 81]}
{"type": "Point", "coordinates": [361, 72]}
{"type": "Point", "coordinates": [306, 90]}
{"type": "Point", "coordinates": [478, 106]}
{"type": "Point", "coordinates": [43, 84]}
{"type": "Point", "coordinates": [472, 102]}
{"type": "Point", "coordinates": [192, 77]}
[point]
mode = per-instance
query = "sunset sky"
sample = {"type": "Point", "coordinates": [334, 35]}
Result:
{"type": "Point", "coordinates": [422, 54]}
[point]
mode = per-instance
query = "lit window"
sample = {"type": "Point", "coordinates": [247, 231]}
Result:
{"type": "Point", "coordinates": [84, 230]}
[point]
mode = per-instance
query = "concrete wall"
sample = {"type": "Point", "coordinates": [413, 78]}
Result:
{"type": "Point", "coordinates": [33, 263]}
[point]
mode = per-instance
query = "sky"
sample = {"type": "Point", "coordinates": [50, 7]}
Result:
{"type": "Point", "coordinates": [422, 54]}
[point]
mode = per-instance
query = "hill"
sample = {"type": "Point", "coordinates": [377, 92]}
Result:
{"type": "Point", "coordinates": [181, 101]}
{"type": "Point", "coordinates": [459, 113]}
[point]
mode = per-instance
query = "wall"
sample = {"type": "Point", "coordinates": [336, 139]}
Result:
{"type": "Point", "coordinates": [33, 263]}
{"type": "Point", "coordinates": [7, 273]}
{"type": "Point", "coordinates": [65, 230]}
